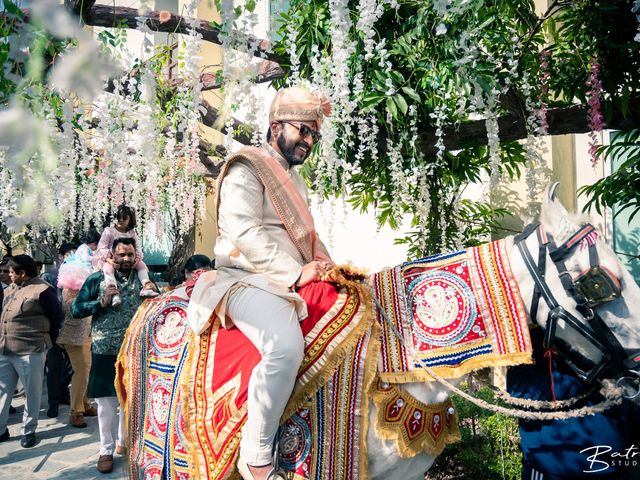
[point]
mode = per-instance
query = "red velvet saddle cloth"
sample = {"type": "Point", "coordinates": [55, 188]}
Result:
{"type": "Point", "coordinates": [185, 396]}
{"type": "Point", "coordinates": [338, 338]}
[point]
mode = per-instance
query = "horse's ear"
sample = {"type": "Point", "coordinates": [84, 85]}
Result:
{"type": "Point", "coordinates": [553, 215]}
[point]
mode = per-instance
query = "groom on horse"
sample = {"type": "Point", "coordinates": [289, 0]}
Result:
{"type": "Point", "coordinates": [267, 248]}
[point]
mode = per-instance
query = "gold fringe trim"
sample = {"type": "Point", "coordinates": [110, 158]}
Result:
{"type": "Point", "coordinates": [188, 410]}
{"type": "Point", "coordinates": [395, 431]}
{"type": "Point", "coordinates": [371, 369]}
{"type": "Point", "coordinates": [337, 356]}
{"type": "Point", "coordinates": [188, 385]}
{"type": "Point", "coordinates": [421, 375]}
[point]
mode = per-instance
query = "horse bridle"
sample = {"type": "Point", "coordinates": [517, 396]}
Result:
{"type": "Point", "coordinates": [589, 289]}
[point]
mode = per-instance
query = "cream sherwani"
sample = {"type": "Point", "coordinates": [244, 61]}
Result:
{"type": "Point", "coordinates": [253, 247]}
{"type": "Point", "coordinates": [258, 263]}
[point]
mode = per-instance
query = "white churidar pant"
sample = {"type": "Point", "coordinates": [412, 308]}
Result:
{"type": "Point", "coordinates": [271, 324]}
{"type": "Point", "coordinates": [110, 424]}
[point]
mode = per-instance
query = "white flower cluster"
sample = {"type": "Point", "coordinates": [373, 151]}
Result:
{"type": "Point", "coordinates": [370, 11]}
{"type": "Point", "coordinates": [493, 139]}
{"type": "Point", "coordinates": [398, 177]}
{"type": "Point", "coordinates": [64, 168]}
{"type": "Point", "coordinates": [331, 75]}
{"type": "Point", "coordinates": [141, 25]}
{"type": "Point", "coordinates": [342, 49]}
{"type": "Point", "coordinates": [68, 157]}
{"type": "Point", "coordinates": [440, 116]}
{"type": "Point", "coordinates": [534, 146]}
{"type": "Point", "coordinates": [181, 150]}
{"type": "Point", "coordinates": [446, 9]}
{"type": "Point", "coordinates": [36, 165]}
{"type": "Point", "coordinates": [636, 9]}
{"type": "Point", "coordinates": [239, 70]}
{"type": "Point", "coordinates": [486, 103]}
{"type": "Point", "coordinates": [292, 50]}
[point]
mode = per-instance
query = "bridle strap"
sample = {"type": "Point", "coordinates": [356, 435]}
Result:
{"type": "Point", "coordinates": [614, 358]}
{"type": "Point", "coordinates": [541, 287]}
{"type": "Point", "coordinates": [561, 251]}
{"type": "Point", "coordinates": [601, 330]}
{"type": "Point", "coordinates": [540, 267]}
{"type": "Point", "coordinates": [582, 304]}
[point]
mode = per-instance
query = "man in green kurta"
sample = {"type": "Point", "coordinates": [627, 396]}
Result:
{"type": "Point", "coordinates": [108, 327]}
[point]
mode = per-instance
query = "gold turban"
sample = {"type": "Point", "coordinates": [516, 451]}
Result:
{"type": "Point", "coordinates": [295, 103]}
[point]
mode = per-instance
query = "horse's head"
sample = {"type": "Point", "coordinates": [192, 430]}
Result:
{"type": "Point", "coordinates": [584, 298]}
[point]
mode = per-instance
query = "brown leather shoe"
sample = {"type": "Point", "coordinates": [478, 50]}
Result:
{"type": "Point", "coordinates": [90, 412]}
{"type": "Point", "coordinates": [77, 420]}
{"type": "Point", "coordinates": [105, 464]}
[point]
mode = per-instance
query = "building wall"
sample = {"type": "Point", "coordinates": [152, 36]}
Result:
{"type": "Point", "coordinates": [212, 56]}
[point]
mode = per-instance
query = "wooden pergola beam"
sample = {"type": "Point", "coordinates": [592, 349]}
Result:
{"type": "Point", "coordinates": [110, 17]}
{"type": "Point", "coordinates": [561, 121]}
{"type": "Point", "coordinates": [212, 158]}
{"type": "Point", "coordinates": [79, 7]}
{"type": "Point", "coordinates": [269, 71]}
{"type": "Point", "coordinates": [573, 119]}
{"type": "Point", "coordinates": [242, 131]}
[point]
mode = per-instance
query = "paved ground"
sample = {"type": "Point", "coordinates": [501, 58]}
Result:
{"type": "Point", "coordinates": [61, 451]}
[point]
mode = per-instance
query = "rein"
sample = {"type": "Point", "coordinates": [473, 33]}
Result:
{"type": "Point", "coordinates": [611, 393]}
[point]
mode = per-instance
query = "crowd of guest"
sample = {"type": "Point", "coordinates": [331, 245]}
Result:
{"type": "Point", "coordinates": [64, 325]}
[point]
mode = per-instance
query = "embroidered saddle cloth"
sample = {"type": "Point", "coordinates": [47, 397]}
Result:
{"type": "Point", "coordinates": [149, 365]}
{"type": "Point", "coordinates": [457, 312]}
{"type": "Point", "coordinates": [185, 396]}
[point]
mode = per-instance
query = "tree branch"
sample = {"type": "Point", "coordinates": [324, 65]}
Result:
{"type": "Point", "coordinates": [241, 131]}
{"type": "Point", "coordinates": [269, 71]}
{"type": "Point", "coordinates": [111, 17]}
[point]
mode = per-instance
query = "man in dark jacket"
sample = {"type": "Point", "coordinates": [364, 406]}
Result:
{"type": "Point", "coordinates": [108, 326]}
{"type": "Point", "coordinates": [574, 448]}
{"type": "Point", "coordinates": [59, 370]}
{"type": "Point", "coordinates": [30, 322]}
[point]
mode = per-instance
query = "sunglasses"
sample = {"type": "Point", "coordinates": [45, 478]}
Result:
{"type": "Point", "coordinates": [306, 131]}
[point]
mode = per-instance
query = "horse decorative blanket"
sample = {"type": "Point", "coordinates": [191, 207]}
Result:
{"type": "Point", "coordinates": [456, 311]}
{"type": "Point", "coordinates": [324, 426]}
{"type": "Point", "coordinates": [148, 368]}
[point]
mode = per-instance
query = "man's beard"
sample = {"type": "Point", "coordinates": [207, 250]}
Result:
{"type": "Point", "coordinates": [125, 268]}
{"type": "Point", "coordinates": [288, 150]}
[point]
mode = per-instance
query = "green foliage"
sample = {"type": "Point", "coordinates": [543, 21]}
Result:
{"type": "Point", "coordinates": [621, 189]}
{"type": "Point", "coordinates": [26, 56]}
{"type": "Point", "coordinates": [431, 73]}
{"type": "Point", "coordinates": [8, 20]}
{"type": "Point", "coordinates": [489, 447]}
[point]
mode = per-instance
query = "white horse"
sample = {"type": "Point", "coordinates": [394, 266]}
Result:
{"type": "Point", "coordinates": [621, 316]}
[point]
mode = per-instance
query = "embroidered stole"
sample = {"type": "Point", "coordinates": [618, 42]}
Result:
{"type": "Point", "coordinates": [290, 206]}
